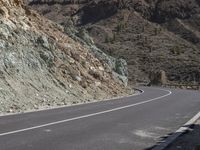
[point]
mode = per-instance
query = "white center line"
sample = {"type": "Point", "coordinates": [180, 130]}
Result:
{"type": "Point", "coordinates": [86, 116]}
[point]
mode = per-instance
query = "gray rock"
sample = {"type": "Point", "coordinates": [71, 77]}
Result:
{"type": "Point", "coordinates": [32, 61]}
{"type": "Point", "coordinates": [121, 67]}
{"type": "Point", "coordinates": [4, 31]}
{"type": "Point", "coordinates": [118, 66]}
{"type": "Point", "coordinates": [77, 78]}
{"type": "Point", "coordinates": [83, 34]}
{"type": "Point", "coordinates": [120, 78]}
{"type": "Point", "coordinates": [158, 78]}
{"type": "Point", "coordinates": [47, 56]}
{"type": "Point", "coordinates": [43, 41]}
{"type": "Point", "coordinates": [10, 60]}
{"type": "Point", "coordinates": [2, 44]}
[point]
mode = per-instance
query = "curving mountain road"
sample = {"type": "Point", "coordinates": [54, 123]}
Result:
{"type": "Point", "coordinates": [131, 123]}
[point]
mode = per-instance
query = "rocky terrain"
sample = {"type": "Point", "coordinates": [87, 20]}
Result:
{"type": "Point", "coordinates": [43, 67]}
{"type": "Point", "coordinates": [151, 35]}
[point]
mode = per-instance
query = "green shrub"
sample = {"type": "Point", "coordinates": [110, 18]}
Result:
{"type": "Point", "coordinates": [110, 39]}
{"type": "Point", "coordinates": [177, 50]}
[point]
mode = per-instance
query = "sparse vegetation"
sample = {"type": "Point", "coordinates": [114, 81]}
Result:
{"type": "Point", "coordinates": [157, 30]}
{"type": "Point", "coordinates": [120, 26]}
{"type": "Point", "coordinates": [176, 50]}
{"type": "Point", "coordinates": [110, 39]}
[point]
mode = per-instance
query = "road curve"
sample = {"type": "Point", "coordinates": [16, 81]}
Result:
{"type": "Point", "coordinates": [131, 123]}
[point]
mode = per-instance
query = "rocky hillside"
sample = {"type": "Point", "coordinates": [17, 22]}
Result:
{"type": "Point", "coordinates": [43, 67]}
{"type": "Point", "coordinates": [152, 35]}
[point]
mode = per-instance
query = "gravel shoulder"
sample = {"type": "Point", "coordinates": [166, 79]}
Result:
{"type": "Point", "coordinates": [189, 140]}
{"type": "Point", "coordinates": [132, 92]}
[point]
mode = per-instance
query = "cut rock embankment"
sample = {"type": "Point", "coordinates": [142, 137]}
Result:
{"type": "Point", "coordinates": [41, 67]}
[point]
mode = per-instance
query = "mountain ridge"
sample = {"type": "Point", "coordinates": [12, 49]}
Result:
{"type": "Point", "coordinates": [152, 35]}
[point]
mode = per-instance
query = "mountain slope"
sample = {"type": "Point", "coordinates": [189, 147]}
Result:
{"type": "Point", "coordinates": [152, 35]}
{"type": "Point", "coordinates": [42, 67]}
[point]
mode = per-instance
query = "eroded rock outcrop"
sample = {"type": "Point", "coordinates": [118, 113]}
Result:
{"type": "Point", "coordinates": [158, 78]}
{"type": "Point", "coordinates": [40, 66]}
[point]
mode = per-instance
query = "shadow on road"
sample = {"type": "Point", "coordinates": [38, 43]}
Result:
{"type": "Point", "coordinates": [189, 140]}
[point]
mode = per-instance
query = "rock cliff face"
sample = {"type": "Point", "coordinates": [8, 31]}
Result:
{"type": "Point", "coordinates": [40, 66]}
{"type": "Point", "coordinates": [151, 35]}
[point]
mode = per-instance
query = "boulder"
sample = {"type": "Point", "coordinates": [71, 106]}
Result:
{"type": "Point", "coordinates": [43, 41]}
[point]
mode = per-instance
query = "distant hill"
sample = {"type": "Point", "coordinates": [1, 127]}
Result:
{"type": "Point", "coordinates": [151, 35]}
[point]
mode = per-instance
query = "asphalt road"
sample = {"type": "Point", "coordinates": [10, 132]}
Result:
{"type": "Point", "coordinates": [132, 123]}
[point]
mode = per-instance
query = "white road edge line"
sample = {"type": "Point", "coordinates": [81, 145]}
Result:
{"type": "Point", "coordinates": [86, 116]}
{"type": "Point", "coordinates": [164, 144]}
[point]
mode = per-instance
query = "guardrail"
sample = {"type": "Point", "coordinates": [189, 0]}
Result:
{"type": "Point", "coordinates": [183, 86]}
